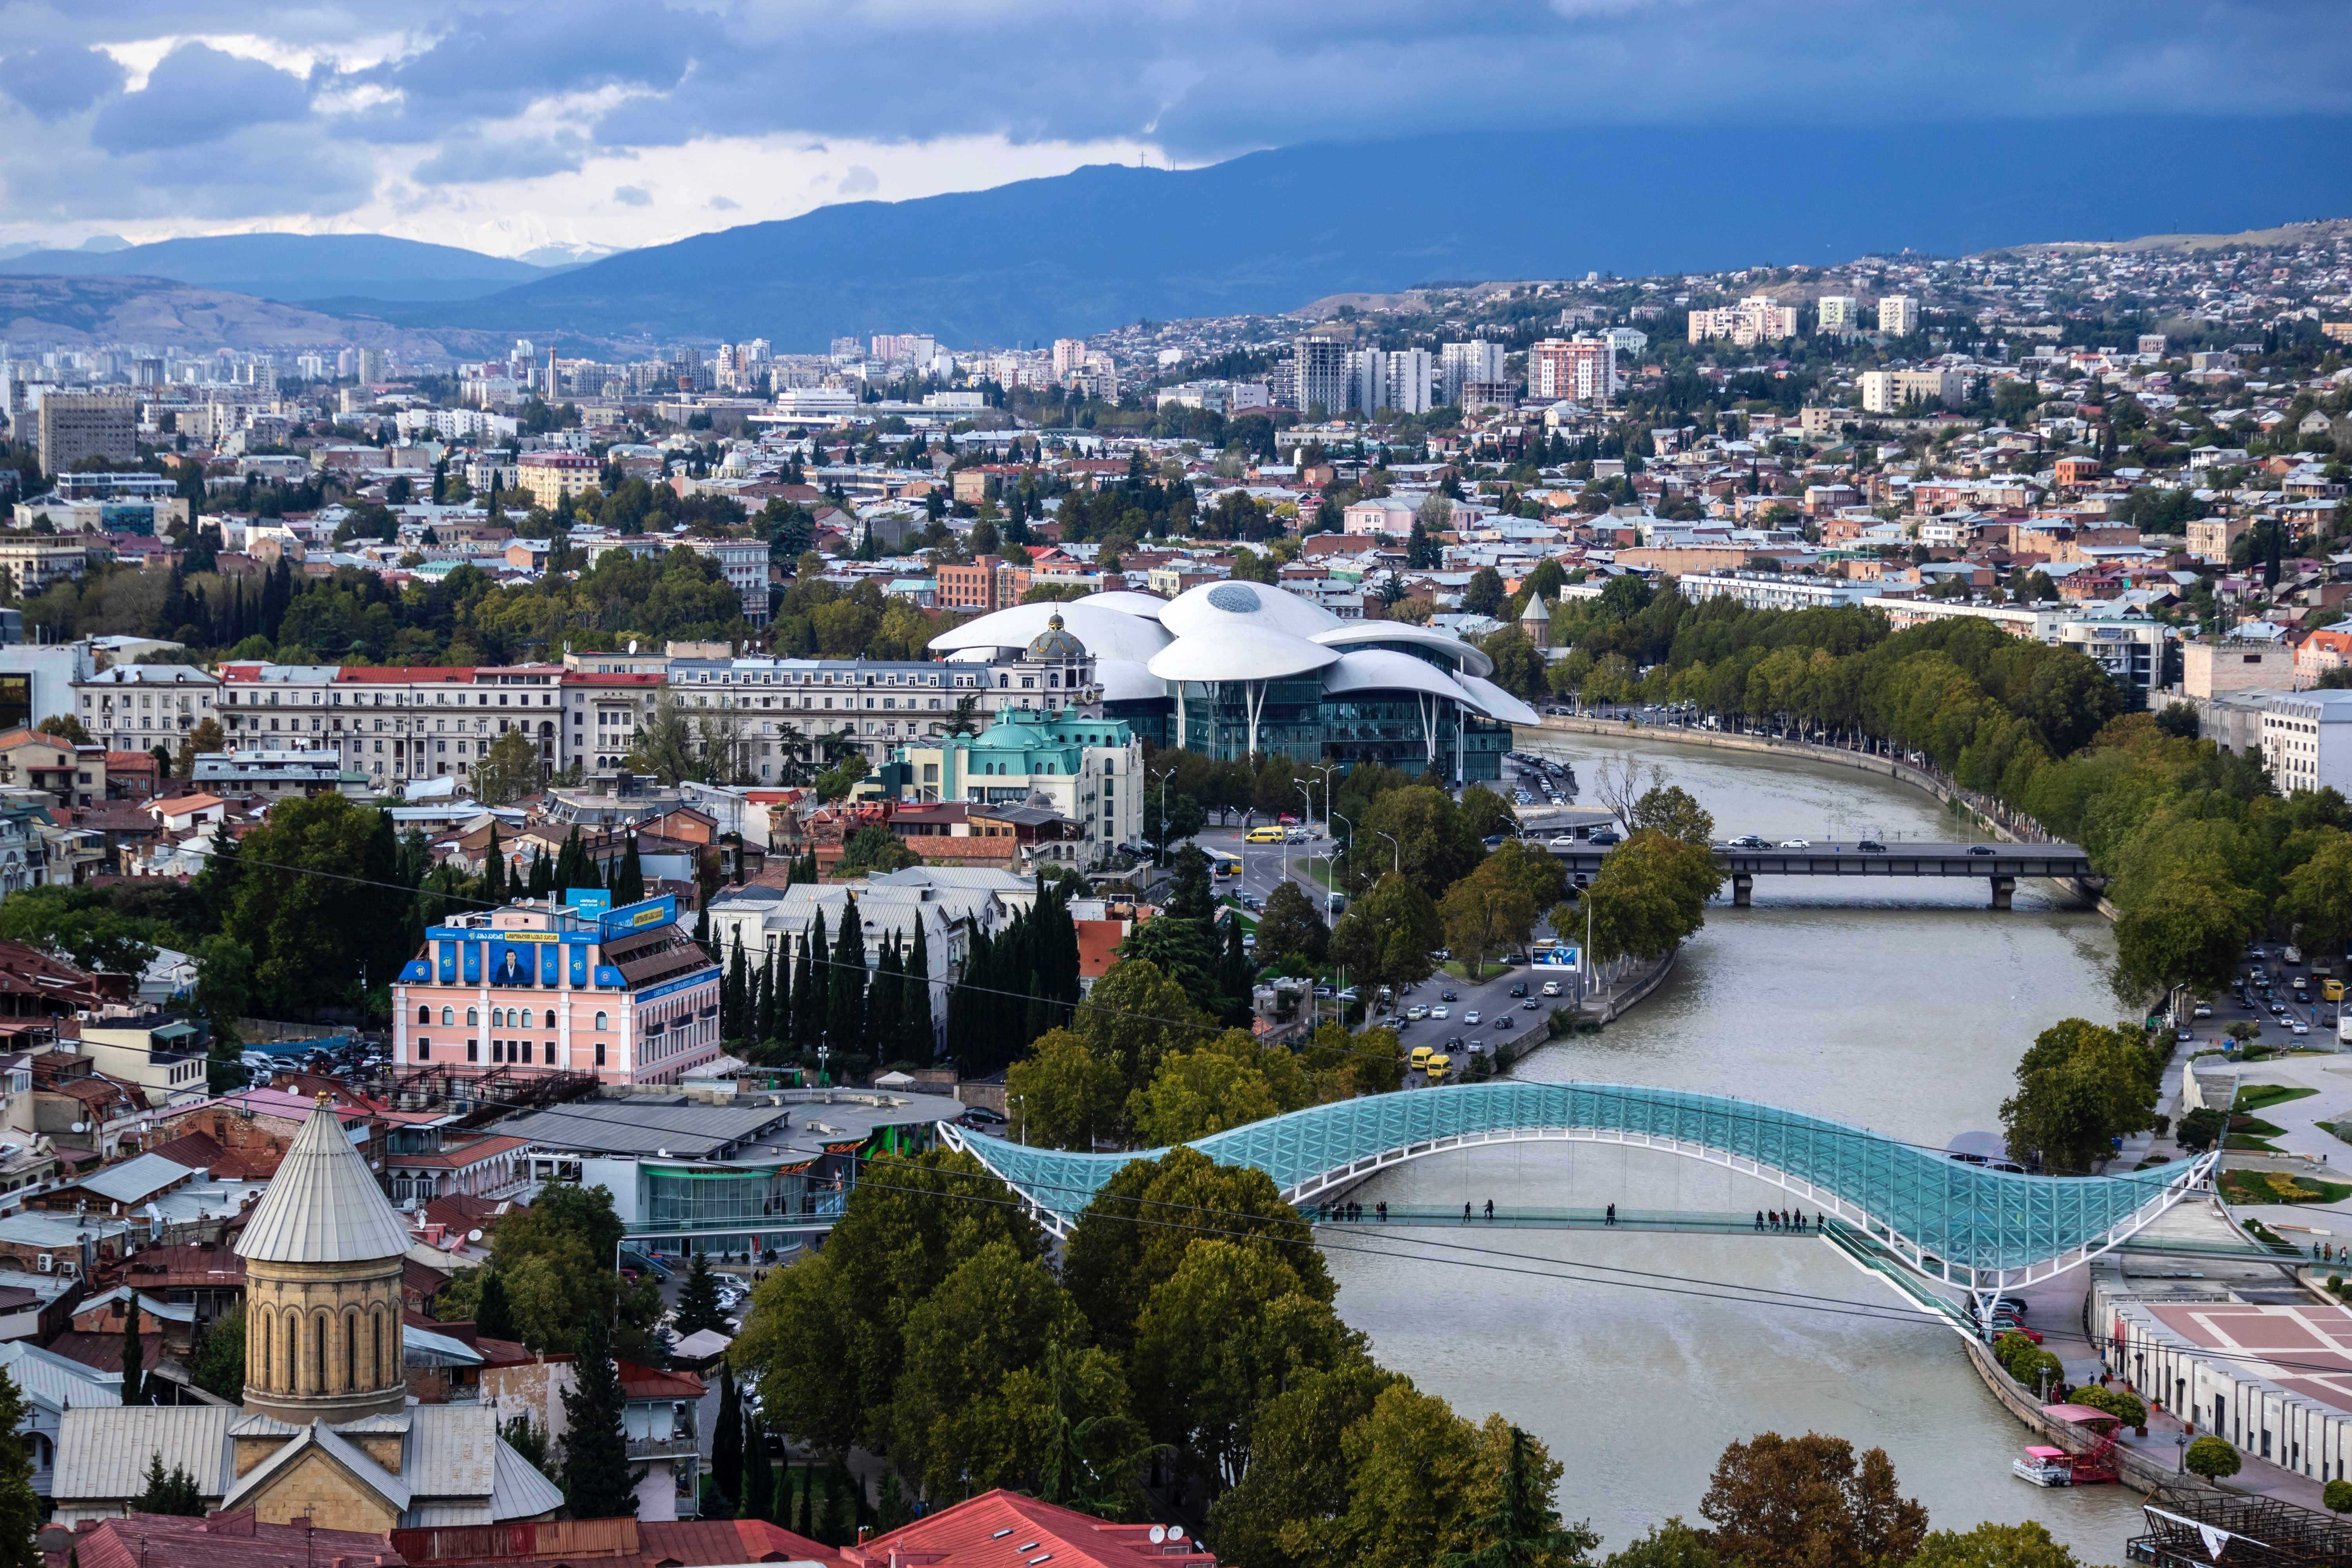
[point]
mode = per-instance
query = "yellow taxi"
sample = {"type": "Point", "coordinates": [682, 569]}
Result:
{"type": "Point", "coordinates": [1268, 835]}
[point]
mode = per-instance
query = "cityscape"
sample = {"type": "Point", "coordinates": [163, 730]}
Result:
{"type": "Point", "coordinates": [744, 824]}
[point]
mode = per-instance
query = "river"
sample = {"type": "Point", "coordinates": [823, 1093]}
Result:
{"type": "Point", "coordinates": [1907, 1016]}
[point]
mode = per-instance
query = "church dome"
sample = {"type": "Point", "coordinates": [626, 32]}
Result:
{"type": "Point", "coordinates": [323, 1205]}
{"type": "Point", "coordinates": [1055, 645]}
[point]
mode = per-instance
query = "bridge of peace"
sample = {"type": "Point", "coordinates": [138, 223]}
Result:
{"type": "Point", "coordinates": [1926, 1222]}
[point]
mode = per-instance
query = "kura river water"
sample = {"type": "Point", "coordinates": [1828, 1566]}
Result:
{"type": "Point", "coordinates": [1905, 1012]}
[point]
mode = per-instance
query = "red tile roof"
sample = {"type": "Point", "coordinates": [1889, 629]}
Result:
{"type": "Point", "coordinates": [1006, 1530]}
{"type": "Point", "coordinates": [702, 1542]}
{"type": "Point", "coordinates": [651, 1383]}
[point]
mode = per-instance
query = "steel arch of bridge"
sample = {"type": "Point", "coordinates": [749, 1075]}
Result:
{"type": "Point", "coordinates": [1955, 1222]}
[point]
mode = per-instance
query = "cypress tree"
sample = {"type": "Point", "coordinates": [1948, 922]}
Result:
{"type": "Point", "coordinates": [731, 993]}
{"type": "Point", "coordinates": [841, 1507]}
{"type": "Point", "coordinates": [702, 931]}
{"type": "Point", "coordinates": [493, 1314]}
{"type": "Point", "coordinates": [629, 881]}
{"type": "Point", "coordinates": [493, 873]}
{"type": "Point", "coordinates": [596, 1474]}
{"type": "Point", "coordinates": [727, 1437]}
{"type": "Point", "coordinates": [134, 1356]}
{"type": "Point", "coordinates": [844, 1018]}
{"type": "Point", "coordinates": [1234, 978]}
{"type": "Point", "coordinates": [759, 1484]}
{"type": "Point", "coordinates": [882, 1001]}
{"type": "Point", "coordinates": [916, 1041]}
{"type": "Point", "coordinates": [813, 1509]}
{"type": "Point", "coordinates": [776, 1021]}
{"type": "Point", "coordinates": [811, 984]}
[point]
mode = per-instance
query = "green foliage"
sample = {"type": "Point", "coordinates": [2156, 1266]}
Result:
{"type": "Point", "coordinates": [2201, 1129]}
{"type": "Point", "coordinates": [20, 1507]}
{"type": "Point", "coordinates": [697, 1303]}
{"type": "Point", "coordinates": [527, 1437]}
{"type": "Point", "coordinates": [2211, 1457]}
{"type": "Point", "coordinates": [2126, 1407]}
{"type": "Point", "coordinates": [2079, 1085]}
{"type": "Point", "coordinates": [1064, 1095]}
{"type": "Point", "coordinates": [1387, 934]}
{"type": "Point", "coordinates": [1991, 1546]}
{"type": "Point", "coordinates": [1291, 923]}
{"type": "Point", "coordinates": [218, 1364]}
{"type": "Point", "coordinates": [597, 1480]}
{"type": "Point", "coordinates": [1673, 1544]}
{"type": "Point", "coordinates": [176, 1493]}
{"type": "Point", "coordinates": [877, 848]}
{"type": "Point", "coordinates": [79, 924]}
{"type": "Point", "coordinates": [2338, 1496]}
{"type": "Point", "coordinates": [1430, 840]}
{"type": "Point", "coordinates": [1650, 894]}
{"type": "Point", "coordinates": [1223, 1081]}
{"type": "Point", "coordinates": [1808, 1500]}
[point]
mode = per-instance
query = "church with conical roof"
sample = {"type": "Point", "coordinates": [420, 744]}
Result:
{"type": "Point", "coordinates": [327, 1431]}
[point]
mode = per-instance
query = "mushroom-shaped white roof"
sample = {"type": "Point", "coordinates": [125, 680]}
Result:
{"type": "Point", "coordinates": [1385, 669]}
{"type": "Point", "coordinates": [1127, 601]}
{"type": "Point", "coordinates": [1497, 703]}
{"type": "Point", "coordinates": [323, 1205]}
{"type": "Point", "coordinates": [1127, 680]}
{"type": "Point", "coordinates": [1107, 633]}
{"type": "Point", "coordinates": [1374, 634]}
{"type": "Point", "coordinates": [1213, 606]}
{"type": "Point", "coordinates": [1241, 652]}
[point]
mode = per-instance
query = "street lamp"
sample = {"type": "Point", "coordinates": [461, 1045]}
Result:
{"type": "Point", "coordinates": [1326, 769]}
{"type": "Point", "coordinates": [1162, 774]}
{"type": "Point", "coordinates": [1395, 846]}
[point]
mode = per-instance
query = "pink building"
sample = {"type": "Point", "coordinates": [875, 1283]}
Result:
{"type": "Point", "coordinates": [624, 995]}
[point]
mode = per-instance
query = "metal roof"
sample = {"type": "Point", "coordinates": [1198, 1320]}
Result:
{"type": "Point", "coordinates": [1238, 650]}
{"type": "Point", "coordinates": [521, 1492]}
{"type": "Point", "coordinates": [136, 1180]}
{"type": "Point", "coordinates": [451, 1450]}
{"type": "Point", "coordinates": [102, 1454]}
{"type": "Point", "coordinates": [320, 1435]}
{"type": "Point", "coordinates": [323, 1205]}
{"type": "Point", "coordinates": [57, 1382]}
{"type": "Point", "coordinates": [687, 1132]}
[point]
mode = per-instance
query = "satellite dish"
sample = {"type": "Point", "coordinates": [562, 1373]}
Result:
{"type": "Point", "coordinates": [473, 1235]}
{"type": "Point", "coordinates": [1175, 1533]}
{"type": "Point", "coordinates": [1159, 1534]}
{"type": "Point", "coordinates": [633, 645]}
{"type": "Point", "coordinates": [81, 1126]}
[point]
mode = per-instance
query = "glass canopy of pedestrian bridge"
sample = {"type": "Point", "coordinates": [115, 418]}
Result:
{"type": "Point", "coordinates": [1960, 1224]}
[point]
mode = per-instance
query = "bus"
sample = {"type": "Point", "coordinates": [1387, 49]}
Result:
{"type": "Point", "coordinates": [1221, 863]}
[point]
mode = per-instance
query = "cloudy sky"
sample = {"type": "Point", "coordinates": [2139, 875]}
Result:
{"type": "Point", "coordinates": [504, 127]}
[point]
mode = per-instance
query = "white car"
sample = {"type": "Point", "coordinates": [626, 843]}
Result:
{"type": "Point", "coordinates": [1471, 1016]}
{"type": "Point", "coordinates": [2299, 1026]}
{"type": "Point", "coordinates": [1441, 1012]}
{"type": "Point", "coordinates": [1796, 844]}
{"type": "Point", "coordinates": [1552, 988]}
{"type": "Point", "coordinates": [1563, 842]}
{"type": "Point", "coordinates": [1416, 1013]}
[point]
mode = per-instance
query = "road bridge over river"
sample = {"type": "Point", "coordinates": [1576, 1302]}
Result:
{"type": "Point", "coordinates": [2000, 864]}
{"type": "Point", "coordinates": [1915, 1210]}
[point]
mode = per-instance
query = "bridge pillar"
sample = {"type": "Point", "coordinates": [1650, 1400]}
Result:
{"type": "Point", "coordinates": [2003, 888]}
{"type": "Point", "coordinates": [1742, 885]}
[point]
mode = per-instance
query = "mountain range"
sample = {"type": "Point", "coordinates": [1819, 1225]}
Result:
{"type": "Point", "coordinates": [353, 271]}
{"type": "Point", "coordinates": [1104, 245]}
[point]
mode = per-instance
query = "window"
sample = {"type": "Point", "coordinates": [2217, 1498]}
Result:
{"type": "Point", "coordinates": [600, 1053]}
{"type": "Point", "coordinates": [600, 1024]}
{"type": "Point", "coordinates": [424, 1049]}
{"type": "Point", "coordinates": [449, 1015]}
{"type": "Point", "coordinates": [473, 1016]}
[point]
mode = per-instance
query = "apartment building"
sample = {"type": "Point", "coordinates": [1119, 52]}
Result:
{"type": "Point", "coordinates": [550, 479]}
{"type": "Point", "coordinates": [1837, 313]}
{"type": "Point", "coordinates": [1319, 374]}
{"type": "Point", "coordinates": [393, 723]}
{"type": "Point", "coordinates": [34, 563]}
{"type": "Point", "coordinates": [1461, 364]}
{"type": "Point", "coordinates": [2210, 538]}
{"type": "Point", "coordinates": [2307, 739]}
{"type": "Point", "coordinates": [74, 426]}
{"type": "Point", "coordinates": [138, 707]}
{"type": "Point", "coordinates": [745, 563]}
{"type": "Point", "coordinates": [1757, 319]}
{"type": "Point", "coordinates": [1584, 368]}
{"type": "Point", "coordinates": [2132, 652]}
{"type": "Point", "coordinates": [1892, 391]}
{"type": "Point", "coordinates": [1899, 315]}
{"type": "Point", "coordinates": [1778, 590]}
{"type": "Point", "coordinates": [988, 583]}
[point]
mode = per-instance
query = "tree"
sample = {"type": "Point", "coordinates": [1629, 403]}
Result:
{"type": "Point", "coordinates": [205, 739]}
{"type": "Point", "coordinates": [292, 901]}
{"type": "Point", "coordinates": [994, 1316]}
{"type": "Point", "coordinates": [727, 1437]}
{"type": "Point", "coordinates": [1524, 1531]}
{"type": "Point", "coordinates": [1417, 832]}
{"type": "Point", "coordinates": [1620, 784]}
{"type": "Point", "coordinates": [65, 727]}
{"type": "Point", "coordinates": [597, 1480]}
{"type": "Point", "coordinates": [2338, 1496]}
{"type": "Point", "coordinates": [1672, 811]}
{"type": "Point", "coordinates": [1484, 596]}
{"type": "Point", "coordinates": [1136, 1015]}
{"type": "Point", "coordinates": [1227, 1081]}
{"type": "Point", "coordinates": [2201, 1129]}
{"type": "Point", "coordinates": [1989, 1546]}
{"type": "Point", "coordinates": [511, 770]}
{"type": "Point", "coordinates": [134, 1382]}
{"type": "Point", "coordinates": [217, 1365]}
{"type": "Point", "coordinates": [20, 1507]}
{"type": "Point", "coordinates": [1650, 894]}
{"type": "Point", "coordinates": [1387, 935]}
{"type": "Point", "coordinates": [2211, 1457]}
{"type": "Point", "coordinates": [698, 1304]}
{"type": "Point", "coordinates": [1673, 1544]}
{"type": "Point", "coordinates": [877, 848]}
{"type": "Point", "coordinates": [2079, 1087]}
{"type": "Point", "coordinates": [174, 1494]}
{"type": "Point", "coordinates": [1063, 1095]}
{"type": "Point", "coordinates": [2318, 894]}
{"type": "Point", "coordinates": [1805, 1501]}
{"type": "Point", "coordinates": [1290, 923]}
{"type": "Point", "coordinates": [759, 1476]}
{"type": "Point", "coordinates": [629, 881]}
{"type": "Point", "coordinates": [493, 1314]}
{"type": "Point", "coordinates": [2186, 929]}
{"type": "Point", "coordinates": [1489, 911]}
{"type": "Point", "coordinates": [664, 746]}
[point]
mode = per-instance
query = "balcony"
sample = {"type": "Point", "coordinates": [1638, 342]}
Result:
{"type": "Point", "coordinates": [679, 1445]}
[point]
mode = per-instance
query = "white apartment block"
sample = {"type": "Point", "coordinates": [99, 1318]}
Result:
{"type": "Point", "coordinates": [2132, 652]}
{"type": "Point", "coordinates": [138, 707]}
{"type": "Point", "coordinates": [393, 724]}
{"type": "Point", "coordinates": [1757, 319]}
{"type": "Point", "coordinates": [1778, 590]}
{"type": "Point", "coordinates": [2308, 740]}
{"type": "Point", "coordinates": [1838, 313]}
{"type": "Point", "coordinates": [1890, 391]}
{"type": "Point", "coordinates": [1899, 315]}
{"type": "Point", "coordinates": [745, 563]}
{"type": "Point", "coordinates": [1377, 379]}
{"type": "Point", "coordinates": [1584, 368]}
{"type": "Point", "coordinates": [1460, 365]}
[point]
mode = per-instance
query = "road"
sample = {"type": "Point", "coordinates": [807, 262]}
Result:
{"type": "Point", "coordinates": [1262, 872]}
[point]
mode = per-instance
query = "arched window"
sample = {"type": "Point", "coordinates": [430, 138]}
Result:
{"type": "Point", "coordinates": [387, 1365]}
{"type": "Point", "coordinates": [551, 1017]}
{"type": "Point", "coordinates": [449, 1014]}
{"type": "Point", "coordinates": [261, 1324]}
{"type": "Point", "coordinates": [473, 1015]}
{"type": "Point", "coordinates": [290, 1380]}
{"type": "Point", "coordinates": [350, 1351]}
{"type": "Point", "coordinates": [319, 1355]}
{"type": "Point", "coordinates": [600, 1022]}
{"type": "Point", "coordinates": [425, 1015]}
